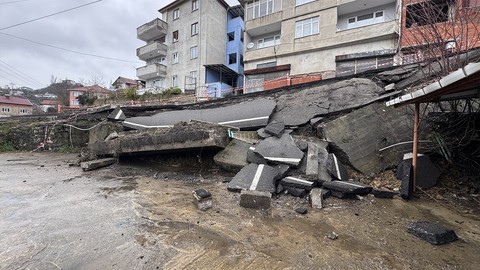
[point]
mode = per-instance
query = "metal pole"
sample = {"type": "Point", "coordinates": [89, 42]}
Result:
{"type": "Point", "coordinates": [416, 122]}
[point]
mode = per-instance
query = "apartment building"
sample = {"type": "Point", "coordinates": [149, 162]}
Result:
{"type": "Point", "coordinates": [330, 37]}
{"type": "Point", "coordinates": [189, 35]}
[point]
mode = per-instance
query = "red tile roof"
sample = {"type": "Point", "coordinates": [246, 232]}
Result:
{"type": "Point", "coordinates": [49, 102]}
{"type": "Point", "coordinates": [15, 101]}
{"type": "Point", "coordinates": [93, 88]}
{"type": "Point", "coordinates": [124, 80]}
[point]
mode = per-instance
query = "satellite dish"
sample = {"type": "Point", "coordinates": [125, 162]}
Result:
{"type": "Point", "coordinates": [250, 45]}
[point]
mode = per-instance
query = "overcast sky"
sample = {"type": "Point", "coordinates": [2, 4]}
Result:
{"type": "Point", "coordinates": [107, 28]}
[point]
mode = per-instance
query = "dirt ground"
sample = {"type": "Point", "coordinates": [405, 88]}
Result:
{"type": "Point", "coordinates": [139, 214]}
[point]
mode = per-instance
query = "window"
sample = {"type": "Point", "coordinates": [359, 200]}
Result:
{"type": "Point", "coordinates": [260, 8]}
{"type": "Point", "coordinates": [231, 36]}
{"type": "Point", "coordinates": [176, 14]}
{"type": "Point", "coordinates": [301, 2]}
{"type": "Point", "coordinates": [193, 52]}
{"type": "Point", "coordinates": [193, 77]}
{"type": "Point", "coordinates": [175, 58]}
{"type": "Point", "coordinates": [23, 111]}
{"type": "Point", "coordinates": [365, 19]}
{"type": "Point", "coordinates": [232, 58]}
{"type": "Point", "coordinates": [355, 66]}
{"type": "Point", "coordinates": [194, 29]}
{"type": "Point", "coordinates": [194, 5]}
{"type": "Point", "coordinates": [269, 41]}
{"type": "Point", "coordinates": [159, 83]}
{"type": "Point", "coordinates": [268, 64]}
{"type": "Point", "coordinates": [174, 80]}
{"type": "Point", "coordinates": [175, 36]}
{"type": "Point", "coordinates": [76, 94]}
{"type": "Point", "coordinates": [5, 109]}
{"type": "Point", "coordinates": [75, 102]}
{"type": "Point", "coordinates": [425, 13]}
{"type": "Point", "coordinates": [306, 27]}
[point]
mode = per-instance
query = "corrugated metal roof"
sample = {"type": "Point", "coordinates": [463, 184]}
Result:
{"type": "Point", "coordinates": [15, 100]}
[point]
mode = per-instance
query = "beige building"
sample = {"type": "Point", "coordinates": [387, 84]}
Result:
{"type": "Point", "coordinates": [189, 35]}
{"type": "Point", "coordinates": [330, 37]}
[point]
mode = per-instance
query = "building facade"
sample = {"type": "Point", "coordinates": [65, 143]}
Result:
{"type": "Point", "coordinates": [325, 38]}
{"type": "Point", "coordinates": [94, 90]}
{"type": "Point", "coordinates": [13, 106]}
{"type": "Point", "coordinates": [189, 35]}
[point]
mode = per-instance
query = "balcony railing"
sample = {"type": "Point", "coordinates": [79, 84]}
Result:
{"type": "Point", "coordinates": [151, 30]}
{"type": "Point", "coordinates": [151, 71]}
{"type": "Point", "coordinates": [152, 50]}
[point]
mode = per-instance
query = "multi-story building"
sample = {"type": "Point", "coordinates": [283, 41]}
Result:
{"type": "Point", "coordinates": [330, 37]}
{"type": "Point", "coordinates": [93, 91]}
{"type": "Point", "coordinates": [190, 36]}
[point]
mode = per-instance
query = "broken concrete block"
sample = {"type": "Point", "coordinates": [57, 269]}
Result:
{"type": "Point", "coordinates": [111, 136]}
{"type": "Point", "coordinates": [390, 87]}
{"type": "Point", "coordinates": [406, 187]}
{"type": "Point", "coordinates": [323, 174]}
{"type": "Point", "coordinates": [95, 164]}
{"type": "Point", "coordinates": [342, 195]}
{"type": "Point", "coordinates": [332, 236]}
{"type": "Point", "coordinates": [282, 170]}
{"type": "Point", "coordinates": [351, 187]}
{"type": "Point", "coordinates": [262, 134]}
{"type": "Point", "coordinates": [116, 115]}
{"type": "Point", "coordinates": [431, 232]}
{"type": "Point", "coordinates": [280, 189]}
{"type": "Point", "coordinates": [234, 157]}
{"type": "Point", "coordinates": [275, 128]}
{"type": "Point", "coordinates": [301, 144]}
{"type": "Point", "coordinates": [383, 193]}
{"type": "Point", "coordinates": [255, 177]}
{"type": "Point", "coordinates": [202, 199]}
{"type": "Point", "coordinates": [312, 160]}
{"type": "Point", "coordinates": [301, 210]}
{"type": "Point", "coordinates": [255, 199]}
{"type": "Point", "coordinates": [280, 150]}
{"type": "Point", "coordinates": [253, 157]}
{"type": "Point", "coordinates": [427, 173]}
{"type": "Point", "coordinates": [336, 169]}
{"type": "Point", "coordinates": [316, 198]}
{"type": "Point", "coordinates": [297, 183]}
{"type": "Point", "coordinates": [296, 192]}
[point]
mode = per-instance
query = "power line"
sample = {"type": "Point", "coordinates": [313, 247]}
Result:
{"type": "Point", "coordinates": [20, 72]}
{"type": "Point", "coordinates": [11, 2]}
{"type": "Point", "coordinates": [16, 77]}
{"type": "Point", "coordinates": [68, 50]}
{"type": "Point", "coordinates": [50, 15]}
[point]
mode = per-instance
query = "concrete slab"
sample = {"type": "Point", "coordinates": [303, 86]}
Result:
{"type": "Point", "coordinates": [275, 128]}
{"type": "Point", "coordinates": [253, 157]}
{"type": "Point", "coordinates": [296, 192]}
{"type": "Point", "coordinates": [312, 160]}
{"type": "Point", "coordinates": [433, 233]}
{"type": "Point", "coordinates": [342, 195]}
{"type": "Point", "coordinates": [95, 164]}
{"type": "Point", "coordinates": [255, 177]}
{"type": "Point", "coordinates": [316, 198]}
{"type": "Point", "coordinates": [405, 174]}
{"type": "Point", "coordinates": [335, 168]}
{"type": "Point", "coordinates": [255, 199]}
{"type": "Point", "coordinates": [427, 172]}
{"type": "Point", "coordinates": [280, 150]}
{"type": "Point", "coordinates": [262, 134]}
{"type": "Point", "coordinates": [116, 115]}
{"type": "Point", "coordinates": [351, 187]}
{"type": "Point", "coordinates": [234, 157]}
{"type": "Point", "coordinates": [295, 182]}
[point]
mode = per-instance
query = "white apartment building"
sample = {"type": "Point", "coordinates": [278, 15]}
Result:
{"type": "Point", "coordinates": [189, 35]}
{"type": "Point", "coordinates": [331, 37]}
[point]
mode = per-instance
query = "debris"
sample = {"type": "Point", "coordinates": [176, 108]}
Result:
{"type": "Point", "coordinates": [405, 172]}
{"type": "Point", "coordinates": [296, 192]}
{"type": "Point", "coordinates": [297, 183]}
{"type": "Point", "coordinates": [390, 87]}
{"type": "Point", "coordinates": [280, 189]}
{"type": "Point", "coordinates": [351, 187]}
{"type": "Point", "coordinates": [95, 164]}
{"type": "Point", "coordinates": [332, 236]}
{"type": "Point", "coordinates": [301, 210]}
{"type": "Point", "coordinates": [253, 157]}
{"type": "Point", "coordinates": [383, 193]}
{"type": "Point", "coordinates": [315, 121]}
{"type": "Point", "coordinates": [255, 199]}
{"type": "Point", "coordinates": [116, 115]}
{"type": "Point", "coordinates": [202, 199]}
{"type": "Point", "coordinates": [427, 173]}
{"type": "Point", "coordinates": [342, 195]}
{"type": "Point", "coordinates": [263, 134]}
{"type": "Point", "coordinates": [234, 157]}
{"type": "Point", "coordinates": [336, 169]}
{"type": "Point", "coordinates": [433, 233]}
{"type": "Point", "coordinates": [275, 128]}
{"type": "Point", "coordinates": [111, 136]}
{"type": "Point", "coordinates": [312, 160]}
{"type": "Point", "coordinates": [300, 143]}
{"type": "Point", "coordinates": [280, 150]}
{"type": "Point", "coordinates": [255, 177]}
{"type": "Point", "coordinates": [316, 198]}
{"type": "Point", "coordinates": [282, 170]}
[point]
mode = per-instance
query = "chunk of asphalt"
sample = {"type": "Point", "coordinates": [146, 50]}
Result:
{"type": "Point", "coordinates": [202, 193]}
{"type": "Point", "coordinates": [283, 170]}
{"type": "Point", "coordinates": [280, 189]}
{"type": "Point", "coordinates": [427, 172]}
{"type": "Point", "coordinates": [280, 150]}
{"type": "Point", "coordinates": [202, 199]}
{"type": "Point", "coordinates": [312, 160]}
{"type": "Point", "coordinates": [315, 198]}
{"type": "Point", "coordinates": [255, 199]}
{"type": "Point", "coordinates": [433, 233]}
{"type": "Point", "coordinates": [342, 195]}
{"type": "Point", "coordinates": [406, 186]}
{"type": "Point", "coordinates": [253, 157]}
{"type": "Point", "coordinates": [297, 183]}
{"type": "Point", "coordinates": [323, 174]}
{"type": "Point", "coordinates": [315, 121]}
{"type": "Point", "coordinates": [336, 169]}
{"type": "Point", "coordinates": [351, 187]}
{"type": "Point", "coordinates": [257, 177]}
{"type": "Point", "coordinates": [301, 210]}
{"type": "Point", "coordinates": [383, 193]}
{"type": "Point", "coordinates": [117, 115]}
{"type": "Point", "coordinates": [296, 192]}
{"type": "Point", "coordinates": [262, 134]}
{"type": "Point", "coordinates": [301, 144]}
{"type": "Point", "coordinates": [275, 128]}
{"type": "Point", "coordinates": [332, 236]}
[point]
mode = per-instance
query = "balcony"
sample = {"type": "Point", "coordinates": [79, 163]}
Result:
{"type": "Point", "coordinates": [152, 50]}
{"type": "Point", "coordinates": [151, 30]}
{"type": "Point", "coordinates": [151, 71]}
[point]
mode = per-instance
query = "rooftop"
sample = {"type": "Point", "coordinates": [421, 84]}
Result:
{"type": "Point", "coordinates": [15, 100]}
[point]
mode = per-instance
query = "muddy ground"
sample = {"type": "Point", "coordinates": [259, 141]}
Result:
{"type": "Point", "coordinates": [139, 214]}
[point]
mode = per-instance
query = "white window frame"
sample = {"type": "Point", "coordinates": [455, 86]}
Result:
{"type": "Point", "coordinates": [174, 81]}
{"type": "Point", "coordinates": [309, 23]}
{"type": "Point", "coordinates": [194, 5]}
{"type": "Point", "coordinates": [176, 14]}
{"type": "Point", "coordinates": [5, 109]}
{"type": "Point", "coordinates": [260, 8]}
{"type": "Point", "coordinates": [194, 52]}
{"type": "Point", "coordinates": [262, 44]}
{"type": "Point", "coordinates": [173, 36]}
{"type": "Point", "coordinates": [194, 29]}
{"type": "Point", "coordinates": [302, 2]}
{"type": "Point", "coordinates": [365, 22]}
{"type": "Point", "coordinates": [193, 76]}
{"type": "Point", "coordinates": [175, 58]}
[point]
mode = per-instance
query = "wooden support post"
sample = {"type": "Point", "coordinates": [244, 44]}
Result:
{"type": "Point", "coordinates": [416, 123]}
